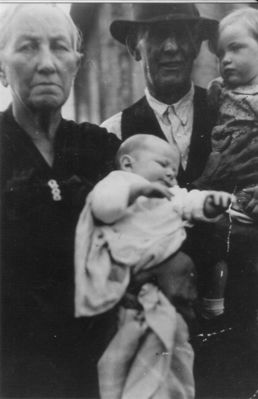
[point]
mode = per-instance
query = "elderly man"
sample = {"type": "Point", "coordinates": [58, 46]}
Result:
{"type": "Point", "coordinates": [166, 39]}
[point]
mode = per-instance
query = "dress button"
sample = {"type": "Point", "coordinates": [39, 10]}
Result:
{"type": "Point", "coordinates": [55, 190]}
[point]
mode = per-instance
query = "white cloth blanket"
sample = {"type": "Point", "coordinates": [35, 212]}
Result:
{"type": "Point", "coordinates": [96, 288]}
{"type": "Point", "coordinates": [150, 356]}
{"type": "Point", "coordinates": [149, 232]}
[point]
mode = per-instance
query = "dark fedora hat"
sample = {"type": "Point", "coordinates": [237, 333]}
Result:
{"type": "Point", "coordinates": [153, 13]}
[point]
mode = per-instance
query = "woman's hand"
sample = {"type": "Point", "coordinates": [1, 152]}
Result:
{"type": "Point", "coordinates": [236, 164]}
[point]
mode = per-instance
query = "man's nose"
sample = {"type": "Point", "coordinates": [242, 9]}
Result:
{"type": "Point", "coordinates": [171, 44]}
{"type": "Point", "coordinates": [46, 60]}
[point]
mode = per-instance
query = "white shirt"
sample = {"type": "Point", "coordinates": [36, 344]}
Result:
{"type": "Point", "coordinates": [176, 122]}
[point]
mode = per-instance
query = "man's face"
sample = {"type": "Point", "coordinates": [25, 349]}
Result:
{"type": "Point", "coordinates": [39, 61]}
{"type": "Point", "coordinates": [167, 53]}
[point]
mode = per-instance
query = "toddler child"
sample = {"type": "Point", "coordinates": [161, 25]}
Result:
{"type": "Point", "coordinates": [235, 97]}
{"type": "Point", "coordinates": [134, 220]}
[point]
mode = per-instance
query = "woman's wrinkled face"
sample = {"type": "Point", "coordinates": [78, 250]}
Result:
{"type": "Point", "coordinates": [39, 61]}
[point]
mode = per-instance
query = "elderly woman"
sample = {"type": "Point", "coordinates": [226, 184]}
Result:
{"type": "Point", "coordinates": [48, 167]}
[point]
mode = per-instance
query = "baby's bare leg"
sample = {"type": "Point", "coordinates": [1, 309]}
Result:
{"type": "Point", "coordinates": [176, 277]}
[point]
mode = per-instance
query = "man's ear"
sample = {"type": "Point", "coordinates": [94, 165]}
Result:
{"type": "Point", "coordinates": [197, 45]}
{"type": "Point", "coordinates": [132, 46]}
{"type": "Point", "coordinates": [196, 36]}
{"type": "Point", "coordinates": [126, 162]}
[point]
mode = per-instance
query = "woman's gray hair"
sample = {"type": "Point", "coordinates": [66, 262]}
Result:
{"type": "Point", "coordinates": [11, 11]}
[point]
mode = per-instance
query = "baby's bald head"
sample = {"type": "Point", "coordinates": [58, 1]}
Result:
{"type": "Point", "coordinates": [138, 144]}
{"type": "Point", "coordinates": [144, 154]}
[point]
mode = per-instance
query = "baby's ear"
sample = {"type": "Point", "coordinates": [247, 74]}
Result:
{"type": "Point", "coordinates": [126, 163]}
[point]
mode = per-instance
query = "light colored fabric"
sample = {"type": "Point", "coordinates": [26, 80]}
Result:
{"type": "Point", "coordinates": [150, 356]}
{"type": "Point", "coordinates": [113, 124]}
{"type": "Point", "coordinates": [145, 234]}
{"type": "Point", "coordinates": [95, 289]}
{"type": "Point", "coordinates": [176, 121]}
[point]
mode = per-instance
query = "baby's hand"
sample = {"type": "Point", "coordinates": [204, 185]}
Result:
{"type": "Point", "coordinates": [156, 190]}
{"type": "Point", "coordinates": [216, 203]}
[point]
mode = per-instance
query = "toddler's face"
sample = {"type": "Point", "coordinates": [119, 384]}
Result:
{"type": "Point", "coordinates": [238, 55]}
{"type": "Point", "coordinates": [158, 163]}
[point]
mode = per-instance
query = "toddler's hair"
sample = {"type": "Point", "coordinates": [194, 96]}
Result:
{"type": "Point", "coordinates": [247, 15]}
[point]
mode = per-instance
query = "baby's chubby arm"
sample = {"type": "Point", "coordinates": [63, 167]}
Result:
{"type": "Point", "coordinates": [111, 196]}
{"type": "Point", "coordinates": [216, 203]}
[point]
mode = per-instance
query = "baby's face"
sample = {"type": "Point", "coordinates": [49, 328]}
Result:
{"type": "Point", "coordinates": [157, 163]}
{"type": "Point", "coordinates": [238, 55]}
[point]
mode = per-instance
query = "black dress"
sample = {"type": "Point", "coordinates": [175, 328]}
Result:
{"type": "Point", "coordinates": [45, 351]}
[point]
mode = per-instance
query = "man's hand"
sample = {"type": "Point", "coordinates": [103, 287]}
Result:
{"type": "Point", "coordinates": [236, 164]}
{"type": "Point", "coordinates": [216, 203]}
{"type": "Point", "coordinates": [252, 207]}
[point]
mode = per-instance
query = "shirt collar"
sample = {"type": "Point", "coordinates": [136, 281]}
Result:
{"type": "Point", "coordinates": [181, 108]}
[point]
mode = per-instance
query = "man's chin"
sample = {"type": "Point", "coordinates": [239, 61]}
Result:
{"type": "Point", "coordinates": [168, 82]}
{"type": "Point", "coordinates": [171, 85]}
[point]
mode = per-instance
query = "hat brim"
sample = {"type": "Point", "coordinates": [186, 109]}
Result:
{"type": "Point", "coordinates": [120, 29]}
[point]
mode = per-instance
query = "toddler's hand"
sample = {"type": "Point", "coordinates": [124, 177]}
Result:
{"type": "Point", "coordinates": [216, 203]}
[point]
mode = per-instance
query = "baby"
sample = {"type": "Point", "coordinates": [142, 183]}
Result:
{"type": "Point", "coordinates": [235, 97]}
{"type": "Point", "coordinates": [133, 222]}
{"type": "Point", "coordinates": [141, 214]}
